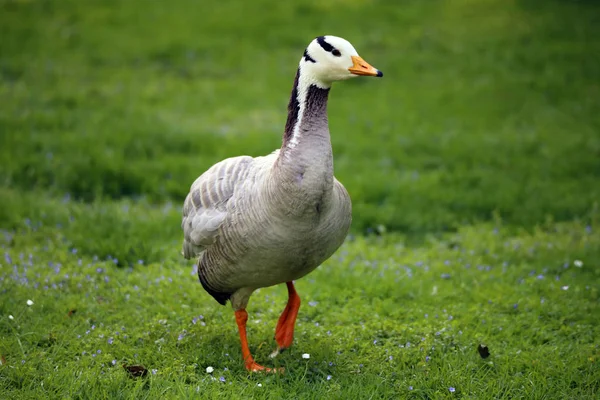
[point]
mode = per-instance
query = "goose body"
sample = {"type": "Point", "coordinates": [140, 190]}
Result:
{"type": "Point", "coordinates": [258, 222]}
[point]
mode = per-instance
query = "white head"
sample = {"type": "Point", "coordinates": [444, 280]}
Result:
{"type": "Point", "coordinates": [331, 58]}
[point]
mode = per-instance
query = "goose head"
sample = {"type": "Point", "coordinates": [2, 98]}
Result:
{"type": "Point", "coordinates": [330, 58]}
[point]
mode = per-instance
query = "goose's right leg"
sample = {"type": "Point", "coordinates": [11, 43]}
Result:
{"type": "Point", "coordinates": [241, 317]}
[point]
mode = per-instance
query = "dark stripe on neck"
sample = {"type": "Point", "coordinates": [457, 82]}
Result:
{"type": "Point", "coordinates": [326, 46]}
{"type": "Point", "coordinates": [293, 109]}
{"type": "Point", "coordinates": [315, 109]}
{"type": "Point", "coordinates": [307, 57]}
{"type": "Point", "coordinates": [315, 105]}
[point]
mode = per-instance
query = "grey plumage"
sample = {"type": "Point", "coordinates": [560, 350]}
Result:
{"type": "Point", "coordinates": [254, 223]}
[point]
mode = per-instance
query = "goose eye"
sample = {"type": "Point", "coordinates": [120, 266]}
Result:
{"type": "Point", "coordinates": [336, 53]}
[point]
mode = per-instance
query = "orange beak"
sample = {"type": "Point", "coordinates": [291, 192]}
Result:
{"type": "Point", "coordinates": [361, 67]}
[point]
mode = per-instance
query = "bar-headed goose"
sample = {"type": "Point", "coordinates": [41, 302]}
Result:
{"type": "Point", "coordinates": [258, 222]}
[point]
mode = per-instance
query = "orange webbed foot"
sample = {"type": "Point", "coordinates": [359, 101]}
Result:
{"type": "Point", "coordinates": [254, 367]}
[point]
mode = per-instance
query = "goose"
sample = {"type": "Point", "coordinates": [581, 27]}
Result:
{"type": "Point", "coordinates": [262, 221]}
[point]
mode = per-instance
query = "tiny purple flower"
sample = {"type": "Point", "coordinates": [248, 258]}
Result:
{"type": "Point", "coordinates": [313, 303]}
{"type": "Point", "coordinates": [451, 389]}
{"type": "Point", "coordinates": [445, 276]}
{"type": "Point", "coordinates": [328, 377]}
{"type": "Point", "coordinates": [99, 351]}
{"type": "Point", "coordinates": [222, 378]}
{"type": "Point", "coordinates": [114, 362]}
{"type": "Point", "coordinates": [154, 371]}
{"type": "Point", "coordinates": [410, 388]}
{"type": "Point", "coordinates": [375, 341]}
{"type": "Point", "coordinates": [110, 340]}
{"type": "Point", "coordinates": [427, 358]}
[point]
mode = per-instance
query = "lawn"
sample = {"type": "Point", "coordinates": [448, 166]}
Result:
{"type": "Point", "coordinates": [473, 165]}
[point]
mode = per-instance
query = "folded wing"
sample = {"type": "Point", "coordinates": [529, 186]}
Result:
{"type": "Point", "coordinates": [205, 207]}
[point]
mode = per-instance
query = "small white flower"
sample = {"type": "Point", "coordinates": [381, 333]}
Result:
{"type": "Point", "coordinates": [306, 356]}
{"type": "Point", "coordinates": [209, 370]}
{"type": "Point", "coordinates": [565, 287]}
{"type": "Point", "coordinates": [578, 263]}
{"type": "Point", "coordinates": [29, 303]}
{"type": "Point", "coordinates": [11, 317]}
{"type": "Point", "coordinates": [259, 384]}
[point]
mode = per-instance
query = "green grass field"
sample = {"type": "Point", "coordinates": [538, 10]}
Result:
{"type": "Point", "coordinates": [473, 165]}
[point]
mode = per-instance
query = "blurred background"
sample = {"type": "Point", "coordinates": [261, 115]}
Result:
{"type": "Point", "coordinates": [489, 109]}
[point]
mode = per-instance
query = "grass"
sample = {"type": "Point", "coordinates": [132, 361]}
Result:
{"type": "Point", "coordinates": [473, 167]}
{"type": "Point", "coordinates": [377, 320]}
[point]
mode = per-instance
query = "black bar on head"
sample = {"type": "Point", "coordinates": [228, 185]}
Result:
{"type": "Point", "coordinates": [326, 46]}
{"type": "Point", "coordinates": [307, 57]}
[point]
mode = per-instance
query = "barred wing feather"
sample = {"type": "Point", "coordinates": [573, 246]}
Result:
{"type": "Point", "coordinates": [205, 207]}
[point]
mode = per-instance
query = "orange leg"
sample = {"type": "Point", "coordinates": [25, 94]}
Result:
{"type": "Point", "coordinates": [284, 333]}
{"type": "Point", "coordinates": [241, 317]}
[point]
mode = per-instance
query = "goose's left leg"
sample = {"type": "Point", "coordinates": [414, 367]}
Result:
{"type": "Point", "coordinates": [284, 333]}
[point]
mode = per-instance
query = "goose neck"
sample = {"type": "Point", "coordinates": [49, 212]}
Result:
{"type": "Point", "coordinates": [307, 113]}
